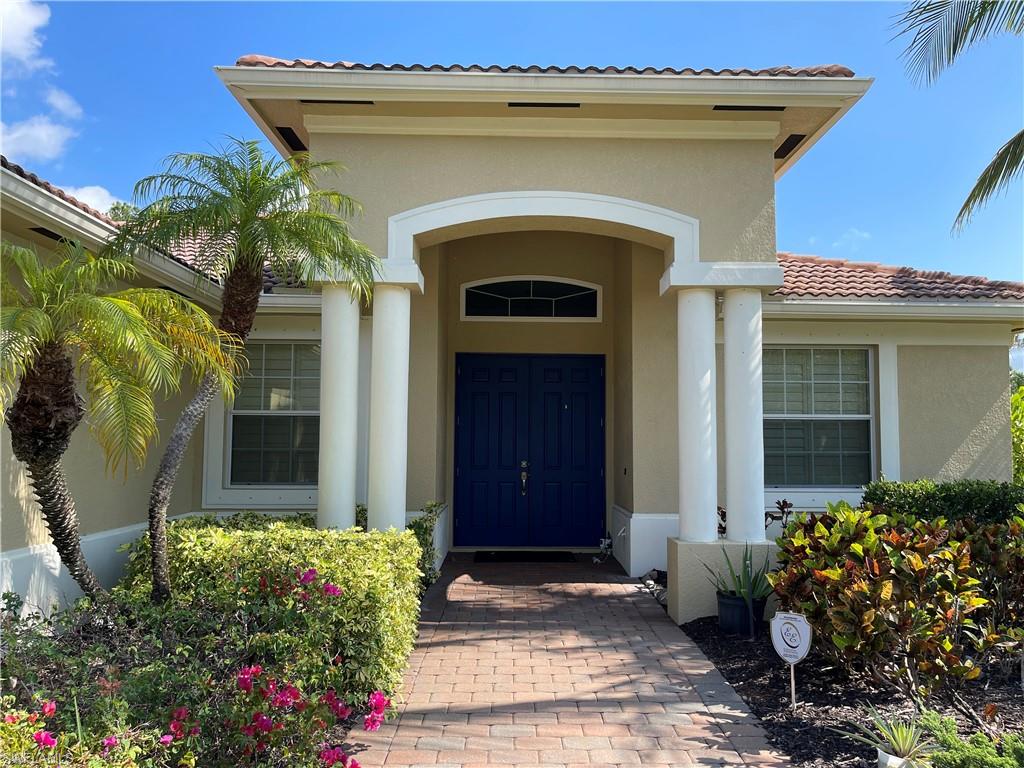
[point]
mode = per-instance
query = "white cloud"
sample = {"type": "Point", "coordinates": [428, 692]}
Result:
{"type": "Point", "coordinates": [38, 138]}
{"type": "Point", "coordinates": [20, 40]}
{"type": "Point", "coordinates": [94, 196]}
{"type": "Point", "coordinates": [63, 102]}
{"type": "Point", "coordinates": [851, 239]}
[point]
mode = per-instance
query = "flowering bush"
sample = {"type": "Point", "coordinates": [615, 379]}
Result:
{"type": "Point", "coordinates": [281, 637]}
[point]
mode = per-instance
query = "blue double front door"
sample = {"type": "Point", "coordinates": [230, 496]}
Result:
{"type": "Point", "coordinates": [529, 450]}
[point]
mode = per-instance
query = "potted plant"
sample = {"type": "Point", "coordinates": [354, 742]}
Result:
{"type": "Point", "coordinates": [899, 743]}
{"type": "Point", "coordinates": [743, 595]}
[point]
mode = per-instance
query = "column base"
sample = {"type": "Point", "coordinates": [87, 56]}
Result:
{"type": "Point", "coordinates": [690, 593]}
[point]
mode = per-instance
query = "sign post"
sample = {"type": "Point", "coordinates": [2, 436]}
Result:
{"type": "Point", "coordinates": [791, 636]}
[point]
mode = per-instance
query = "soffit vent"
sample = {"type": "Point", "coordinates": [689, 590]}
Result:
{"type": "Point", "coordinates": [786, 148]}
{"type": "Point", "coordinates": [337, 101]}
{"type": "Point", "coordinates": [48, 233]}
{"type": "Point", "coordinates": [544, 104]}
{"type": "Point", "coordinates": [747, 108]}
{"type": "Point", "coordinates": [291, 138]}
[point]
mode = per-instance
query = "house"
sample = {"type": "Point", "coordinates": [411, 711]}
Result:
{"type": "Point", "coordinates": [581, 327]}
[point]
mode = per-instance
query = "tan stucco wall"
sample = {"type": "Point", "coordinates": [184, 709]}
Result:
{"type": "Point", "coordinates": [104, 501]}
{"type": "Point", "coordinates": [727, 185]}
{"type": "Point", "coordinates": [954, 412]}
{"type": "Point", "coordinates": [655, 411]}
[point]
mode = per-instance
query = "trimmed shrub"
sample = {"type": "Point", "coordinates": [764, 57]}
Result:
{"type": "Point", "coordinates": [893, 598]}
{"type": "Point", "coordinates": [252, 568]}
{"type": "Point", "coordinates": [984, 501]}
{"type": "Point", "coordinates": [423, 529]}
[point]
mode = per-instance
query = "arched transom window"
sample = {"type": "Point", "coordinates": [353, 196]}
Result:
{"type": "Point", "coordinates": [523, 297]}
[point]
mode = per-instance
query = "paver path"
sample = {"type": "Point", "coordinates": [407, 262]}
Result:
{"type": "Point", "coordinates": [563, 665]}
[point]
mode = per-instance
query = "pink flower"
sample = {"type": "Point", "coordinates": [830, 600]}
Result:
{"type": "Point", "coordinates": [181, 713]}
{"type": "Point", "coordinates": [108, 744]}
{"type": "Point", "coordinates": [178, 729]}
{"type": "Point", "coordinates": [378, 702]}
{"type": "Point", "coordinates": [373, 721]}
{"type": "Point", "coordinates": [49, 707]}
{"type": "Point", "coordinates": [44, 739]}
{"type": "Point", "coordinates": [10, 718]}
{"type": "Point", "coordinates": [246, 675]}
{"type": "Point", "coordinates": [309, 576]}
{"type": "Point", "coordinates": [166, 739]}
{"type": "Point", "coordinates": [353, 763]}
{"type": "Point", "coordinates": [194, 730]}
{"type": "Point", "coordinates": [332, 755]}
{"type": "Point", "coordinates": [331, 589]}
{"type": "Point", "coordinates": [262, 722]}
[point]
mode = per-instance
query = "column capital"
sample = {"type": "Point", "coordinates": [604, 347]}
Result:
{"type": "Point", "coordinates": [400, 272]}
{"type": "Point", "coordinates": [763, 275]}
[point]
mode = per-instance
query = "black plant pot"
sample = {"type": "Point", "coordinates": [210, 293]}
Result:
{"type": "Point", "coordinates": [734, 616]}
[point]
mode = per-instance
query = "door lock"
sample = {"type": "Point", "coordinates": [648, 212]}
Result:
{"type": "Point", "coordinates": [523, 476]}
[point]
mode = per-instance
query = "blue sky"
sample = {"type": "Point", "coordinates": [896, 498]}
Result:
{"type": "Point", "coordinates": [94, 95]}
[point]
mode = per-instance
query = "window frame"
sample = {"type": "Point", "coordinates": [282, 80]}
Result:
{"type": "Point", "coordinates": [218, 491]}
{"type": "Point", "coordinates": [597, 318]}
{"type": "Point", "coordinates": [870, 417]}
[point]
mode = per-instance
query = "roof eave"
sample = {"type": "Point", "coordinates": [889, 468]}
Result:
{"type": "Point", "coordinates": [891, 308]}
{"type": "Point", "coordinates": [20, 194]}
{"type": "Point", "coordinates": [249, 83]}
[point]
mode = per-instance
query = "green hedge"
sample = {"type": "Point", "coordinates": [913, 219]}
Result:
{"type": "Point", "coordinates": [235, 567]}
{"type": "Point", "coordinates": [985, 501]}
{"type": "Point", "coordinates": [422, 527]}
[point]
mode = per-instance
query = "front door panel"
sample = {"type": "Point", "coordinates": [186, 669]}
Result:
{"type": "Point", "coordinates": [542, 415]}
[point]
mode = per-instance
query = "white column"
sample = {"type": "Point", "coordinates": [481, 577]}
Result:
{"type": "Point", "coordinates": [889, 410]}
{"type": "Point", "coordinates": [339, 406]}
{"type": "Point", "coordinates": [698, 447]}
{"type": "Point", "coordinates": [389, 407]}
{"type": "Point", "coordinates": [744, 416]}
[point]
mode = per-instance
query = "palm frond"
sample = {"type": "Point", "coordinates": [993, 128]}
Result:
{"type": "Point", "coordinates": [122, 414]}
{"type": "Point", "coordinates": [941, 30]}
{"type": "Point", "coordinates": [1005, 166]}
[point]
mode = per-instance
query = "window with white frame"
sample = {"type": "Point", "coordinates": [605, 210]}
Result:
{"type": "Point", "coordinates": [274, 423]}
{"type": "Point", "coordinates": [817, 416]}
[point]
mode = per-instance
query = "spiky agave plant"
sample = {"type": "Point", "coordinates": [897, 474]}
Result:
{"type": "Point", "coordinates": [906, 739]}
{"type": "Point", "coordinates": [62, 326]}
{"type": "Point", "coordinates": [239, 210]}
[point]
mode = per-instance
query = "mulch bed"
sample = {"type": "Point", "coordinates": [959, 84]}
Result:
{"type": "Point", "coordinates": [827, 698]}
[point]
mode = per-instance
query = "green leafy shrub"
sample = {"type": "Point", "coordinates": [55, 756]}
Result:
{"type": "Point", "coordinates": [894, 598]}
{"type": "Point", "coordinates": [978, 751]}
{"type": "Point", "coordinates": [422, 527]}
{"type": "Point", "coordinates": [278, 635]}
{"type": "Point", "coordinates": [357, 642]}
{"type": "Point", "coordinates": [984, 501]}
{"type": "Point", "coordinates": [1017, 432]}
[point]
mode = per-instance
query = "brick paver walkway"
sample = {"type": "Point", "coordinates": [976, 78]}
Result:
{"type": "Point", "coordinates": [562, 665]}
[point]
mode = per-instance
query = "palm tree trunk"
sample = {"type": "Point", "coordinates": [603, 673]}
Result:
{"type": "Point", "coordinates": [45, 413]}
{"type": "Point", "coordinates": [240, 298]}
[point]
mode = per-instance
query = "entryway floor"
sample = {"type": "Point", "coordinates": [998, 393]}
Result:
{"type": "Point", "coordinates": [560, 664]}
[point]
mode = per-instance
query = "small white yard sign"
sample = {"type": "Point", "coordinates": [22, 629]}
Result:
{"type": "Point", "coordinates": [791, 636]}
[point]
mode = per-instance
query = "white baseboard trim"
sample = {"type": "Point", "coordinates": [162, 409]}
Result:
{"type": "Point", "coordinates": [640, 541]}
{"type": "Point", "coordinates": [36, 573]}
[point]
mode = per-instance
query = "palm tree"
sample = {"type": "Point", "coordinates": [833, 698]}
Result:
{"type": "Point", "coordinates": [238, 210]}
{"type": "Point", "coordinates": [58, 328]}
{"type": "Point", "coordinates": [944, 29]}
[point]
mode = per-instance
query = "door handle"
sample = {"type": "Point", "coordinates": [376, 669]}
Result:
{"type": "Point", "coordinates": [523, 476]}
